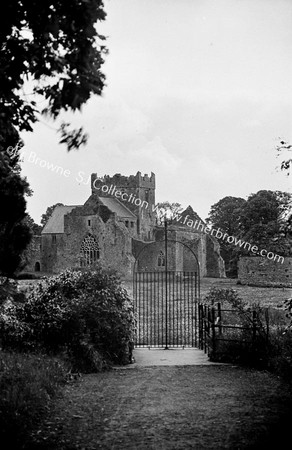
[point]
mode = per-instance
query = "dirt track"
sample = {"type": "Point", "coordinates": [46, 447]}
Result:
{"type": "Point", "coordinates": [191, 407]}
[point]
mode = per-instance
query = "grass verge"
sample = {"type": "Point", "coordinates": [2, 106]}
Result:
{"type": "Point", "coordinates": [28, 383]}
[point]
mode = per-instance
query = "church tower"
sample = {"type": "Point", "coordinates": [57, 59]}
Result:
{"type": "Point", "coordinates": [136, 192]}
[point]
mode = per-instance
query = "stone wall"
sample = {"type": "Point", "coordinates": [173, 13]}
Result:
{"type": "Point", "coordinates": [183, 252]}
{"type": "Point", "coordinates": [215, 265]}
{"type": "Point", "coordinates": [195, 242]}
{"type": "Point", "coordinates": [146, 255]}
{"type": "Point", "coordinates": [33, 255]}
{"type": "Point", "coordinates": [264, 272]}
{"type": "Point", "coordinates": [114, 241]}
{"type": "Point", "coordinates": [52, 244]}
{"type": "Point", "coordinates": [184, 247]}
{"type": "Point", "coordinates": [141, 197]}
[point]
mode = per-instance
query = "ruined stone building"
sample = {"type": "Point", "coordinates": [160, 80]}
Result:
{"type": "Point", "coordinates": [112, 226]}
{"type": "Point", "coordinates": [259, 271]}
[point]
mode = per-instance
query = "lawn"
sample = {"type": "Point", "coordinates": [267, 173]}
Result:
{"type": "Point", "coordinates": [265, 296]}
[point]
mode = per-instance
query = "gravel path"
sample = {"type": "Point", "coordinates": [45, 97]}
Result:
{"type": "Point", "coordinates": [190, 407]}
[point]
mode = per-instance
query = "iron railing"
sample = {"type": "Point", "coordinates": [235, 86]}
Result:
{"type": "Point", "coordinates": [166, 308]}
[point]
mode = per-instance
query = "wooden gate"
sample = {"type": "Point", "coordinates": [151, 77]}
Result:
{"type": "Point", "coordinates": [219, 326]}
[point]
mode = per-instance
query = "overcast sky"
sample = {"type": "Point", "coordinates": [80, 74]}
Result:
{"type": "Point", "coordinates": [198, 92]}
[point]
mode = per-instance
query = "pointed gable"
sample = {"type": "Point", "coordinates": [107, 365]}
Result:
{"type": "Point", "coordinates": [55, 224]}
{"type": "Point", "coordinates": [191, 214]}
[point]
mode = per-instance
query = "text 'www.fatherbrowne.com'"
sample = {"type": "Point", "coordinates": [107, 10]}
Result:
{"type": "Point", "coordinates": [219, 234]}
{"type": "Point", "coordinates": [185, 220]}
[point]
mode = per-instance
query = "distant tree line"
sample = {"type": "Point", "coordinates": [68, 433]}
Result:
{"type": "Point", "coordinates": [264, 219]}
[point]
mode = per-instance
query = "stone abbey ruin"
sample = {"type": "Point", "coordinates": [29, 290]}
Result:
{"type": "Point", "coordinates": [112, 226]}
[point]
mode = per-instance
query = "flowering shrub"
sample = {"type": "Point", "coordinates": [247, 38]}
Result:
{"type": "Point", "coordinates": [87, 314]}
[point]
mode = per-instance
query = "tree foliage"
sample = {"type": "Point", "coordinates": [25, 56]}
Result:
{"type": "Point", "coordinates": [50, 61]}
{"type": "Point", "coordinates": [265, 221]}
{"type": "Point", "coordinates": [167, 210]}
{"type": "Point", "coordinates": [15, 234]}
{"type": "Point", "coordinates": [52, 45]}
{"type": "Point", "coordinates": [34, 227]}
{"type": "Point", "coordinates": [286, 163]}
{"type": "Point", "coordinates": [225, 215]}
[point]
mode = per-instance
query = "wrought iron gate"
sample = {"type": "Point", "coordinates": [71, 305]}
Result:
{"type": "Point", "coordinates": [166, 301]}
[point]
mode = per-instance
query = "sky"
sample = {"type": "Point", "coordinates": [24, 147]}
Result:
{"type": "Point", "coordinates": [197, 91]}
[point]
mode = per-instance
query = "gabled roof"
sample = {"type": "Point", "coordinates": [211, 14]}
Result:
{"type": "Point", "coordinates": [192, 214]}
{"type": "Point", "coordinates": [55, 224]}
{"type": "Point", "coordinates": [187, 215]}
{"type": "Point", "coordinates": [117, 207]}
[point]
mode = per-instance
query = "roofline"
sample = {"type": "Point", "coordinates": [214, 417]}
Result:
{"type": "Point", "coordinates": [116, 199]}
{"type": "Point", "coordinates": [56, 207]}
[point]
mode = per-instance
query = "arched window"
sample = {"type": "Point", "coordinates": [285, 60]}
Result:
{"type": "Point", "coordinates": [89, 251]}
{"type": "Point", "coordinates": [161, 259]}
{"type": "Point", "coordinates": [37, 267]}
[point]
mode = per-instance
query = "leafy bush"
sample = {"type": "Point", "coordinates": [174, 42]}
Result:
{"type": "Point", "coordinates": [27, 385]}
{"type": "Point", "coordinates": [8, 290]}
{"type": "Point", "coordinates": [227, 296]}
{"type": "Point", "coordinates": [86, 313]}
{"type": "Point", "coordinates": [279, 358]}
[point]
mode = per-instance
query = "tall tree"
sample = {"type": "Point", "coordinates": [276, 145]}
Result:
{"type": "Point", "coordinates": [225, 214]}
{"type": "Point", "coordinates": [265, 221]}
{"type": "Point", "coordinates": [53, 47]}
{"type": "Point", "coordinates": [34, 227]}
{"type": "Point", "coordinates": [14, 233]}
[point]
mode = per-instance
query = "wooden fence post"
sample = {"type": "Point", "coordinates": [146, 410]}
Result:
{"type": "Point", "coordinates": [219, 318]}
{"type": "Point", "coordinates": [213, 330]}
{"type": "Point", "coordinates": [267, 317]}
{"type": "Point", "coordinates": [254, 327]}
